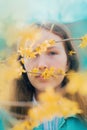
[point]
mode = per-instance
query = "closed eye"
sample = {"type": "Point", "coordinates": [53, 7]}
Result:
{"type": "Point", "coordinates": [52, 53]}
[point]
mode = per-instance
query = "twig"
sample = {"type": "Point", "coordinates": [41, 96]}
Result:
{"type": "Point", "coordinates": [69, 39]}
{"type": "Point", "coordinates": [18, 104]}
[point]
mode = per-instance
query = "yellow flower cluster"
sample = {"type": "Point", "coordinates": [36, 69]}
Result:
{"type": "Point", "coordinates": [34, 71]}
{"type": "Point", "coordinates": [47, 73]}
{"type": "Point", "coordinates": [25, 125]}
{"type": "Point", "coordinates": [13, 34]}
{"type": "Point", "coordinates": [43, 47]}
{"type": "Point", "coordinates": [53, 104]}
{"type": "Point", "coordinates": [50, 104]}
{"type": "Point", "coordinates": [9, 70]}
{"type": "Point", "coordinates": [84, 42]}
{"type": "Point", "coordinates": [77, 83]}
{"type": "Point", "coordinates": [29, 53]}
{"type": "Point", "coordinates": [29, 34]}
{"type": "Point", "coordinates": [26, 53]}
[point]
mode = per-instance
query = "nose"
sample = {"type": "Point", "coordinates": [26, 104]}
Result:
{"type": "Point", "coordinates": [42, 62]}
{"type": "Point", "coordinates": [42, 67]}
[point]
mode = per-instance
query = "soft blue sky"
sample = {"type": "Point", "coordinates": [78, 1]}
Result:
{"type": "Point", "coordinates": [55, 10]}
{"type": "Point", "coordinates": [73, 12]}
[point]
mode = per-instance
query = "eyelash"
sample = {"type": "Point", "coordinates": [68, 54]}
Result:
{"type": "Point", "coordinates": [49, 53]}
{"type": "Point", "coordinates": [52, 53]}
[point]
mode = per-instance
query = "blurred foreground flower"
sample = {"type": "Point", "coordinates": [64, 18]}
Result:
{"type": "Point", "coordinates": [50, 104]}
{"type": "Point", "coordinates": [77, 83]}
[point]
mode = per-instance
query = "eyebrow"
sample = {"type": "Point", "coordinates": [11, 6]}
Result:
{"type": "Point", "coordinates": [53, 47]}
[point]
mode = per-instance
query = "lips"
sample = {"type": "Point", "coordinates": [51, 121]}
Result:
{"type": "Point", "coordinates": [41, 78]}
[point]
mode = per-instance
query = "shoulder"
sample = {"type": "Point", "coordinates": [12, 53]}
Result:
{"type": "Point", "coordinates": [74, 123]}
{"type": "Point", "coordinates": [6, 120]}
{"type": "Point", "coordinates": [1, 124]}
{"type": "Point", "coordinates": [3, 118]}
{"type": "Point", "coordinates": [70, 123]}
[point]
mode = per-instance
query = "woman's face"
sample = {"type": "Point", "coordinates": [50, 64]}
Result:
{"type": "Point", "coordinates": [54, 56]}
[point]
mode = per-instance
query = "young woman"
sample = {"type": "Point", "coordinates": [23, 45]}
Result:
{"type": "Point", "coordinates": [28, 87]}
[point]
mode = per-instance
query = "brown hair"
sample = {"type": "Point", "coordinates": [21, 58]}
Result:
{"type": "Point", "coordinates": [23, 89]}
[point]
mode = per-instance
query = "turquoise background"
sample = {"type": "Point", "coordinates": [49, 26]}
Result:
{"type": "Point", "coordinates": [73, 13]}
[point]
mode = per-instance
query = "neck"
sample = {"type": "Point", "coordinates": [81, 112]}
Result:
{"type": "Point", "coordinates": [59, 90]}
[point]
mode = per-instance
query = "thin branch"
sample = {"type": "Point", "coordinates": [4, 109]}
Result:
{"type": "Point", "coordinates": [16, 104]}
{"type": "Point", "coordinates": [69, 39]}
{"type": "Point", "coordinates": [21, 116]}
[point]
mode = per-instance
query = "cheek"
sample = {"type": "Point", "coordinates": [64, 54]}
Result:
{"type": "Point", "coordinates": [27, 64]}
{"type": "Point", "coordinates": [59, 62]}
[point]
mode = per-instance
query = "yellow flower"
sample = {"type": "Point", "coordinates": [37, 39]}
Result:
{"type": "Point", "coordinates": [20, 70]}
{"type": "Point", "coordinates": [69, 107]}
{"type": "Point", "coordinates": [60, 72]}
{"type": "Point", "coordinates": [52, 104]}
{"type": "Point", "coordinates": [48, 73]}
{"type": "Point", "coordinates": [31, 33]}
{"type": "Point", "coordinates": [42, 47]}
{"type": "Point", "coordinates": [52, 42]}
{"type": "Point", "coordinates": [32, 55]}
{"type": "Point", "coordinates": [27, 52]}
{"type": "Point", "coordinates": [38, 50]}
{"type": "Point", "coordinates": [45, 45]}
{"type": "Point", "coordinates": [84, 42]}
{"type": "Point", "coordinates": [34, 71]}
{"type": "Point", "coordinates": [77, 83]}
{"type": "Point", "coordinates": [26, 125]}
{"type": "Point", "coordinates": [71, 52]}
{"type": "Point", "coordinates": [21, 51]}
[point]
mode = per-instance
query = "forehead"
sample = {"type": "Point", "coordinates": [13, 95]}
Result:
{"type": "Point", "coordinates": [47, 35]}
